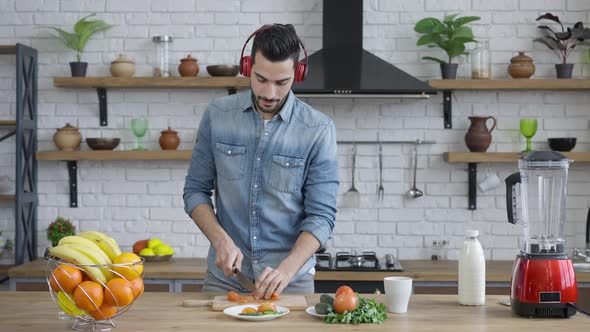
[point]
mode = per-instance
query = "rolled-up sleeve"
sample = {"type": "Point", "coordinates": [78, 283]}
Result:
{"type": "Point", "coordinates": [321, 187]}
{"type": "Point", "coordinates": [200, 178]}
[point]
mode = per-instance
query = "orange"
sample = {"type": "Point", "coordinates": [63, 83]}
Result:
{"type": "Point", "coordinates": [129, 270]}
{"type": "Point", "coordinates": [66, 276]}
{"type": "Point", "coordinates": [118, 292]}
{"type": "Point", "coordinates": [137, 287]}
{"type": "Point", "coordinates": [104, 312]}
{"type": "Point", "coordinates": [88, 296]}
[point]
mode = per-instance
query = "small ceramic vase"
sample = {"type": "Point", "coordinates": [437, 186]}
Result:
{"type": "Point", "coordinates": [188, 67]}
{"type": "Point", "coordinates": [67, 138]}
{"type": "Point", "coordinates": [122, 67]}
{"type": "Point", "coordinates": [169, 139]}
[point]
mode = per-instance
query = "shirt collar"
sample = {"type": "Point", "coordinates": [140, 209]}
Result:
{"type": "Point", "coordinates": [285, 113]}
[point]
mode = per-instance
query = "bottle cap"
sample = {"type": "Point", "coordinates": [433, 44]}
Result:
{"type": "Point", "coordinates": [471, 232]}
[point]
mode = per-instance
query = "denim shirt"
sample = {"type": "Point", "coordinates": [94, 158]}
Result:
{"type": "Point", "coordinates": [271, 181]}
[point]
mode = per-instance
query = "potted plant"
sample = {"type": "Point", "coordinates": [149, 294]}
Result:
{"type": "Point", "coordinates": [58, 229]}
{"type": "Point", "coordinates": [562, 42]}
{"type": "Point", "coordinates": [76, 41]}
{"type": "Point", "coordinates": [6, 245]}
{"type": "Point", "coordinates": [450, 35]}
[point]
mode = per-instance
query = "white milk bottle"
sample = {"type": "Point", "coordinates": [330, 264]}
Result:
{"type": "Point", "coordinates": [472, 271]}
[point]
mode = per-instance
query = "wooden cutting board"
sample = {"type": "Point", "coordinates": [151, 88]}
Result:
{"type": "Point", "coordinates": [220, 302]}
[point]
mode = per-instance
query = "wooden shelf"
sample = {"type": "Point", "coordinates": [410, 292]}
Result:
{"type": "Point", "coordinates": [7, 197]}
{"type": "Point", "coordinates": [7, 122]}
{"type": "Point", "coordinates": [115, 155]}
{"type": "Point", "coordinates": [151, 82]}
{"type": "Point", "coordinates": [503, 157]}
{"type": "Point", "coordinates": [512, 84]}
{"type": "Point", "coordinates": [7, 49]}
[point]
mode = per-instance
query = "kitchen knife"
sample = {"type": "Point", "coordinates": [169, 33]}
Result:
{"type": "Point", "coordinates": [244, 281]}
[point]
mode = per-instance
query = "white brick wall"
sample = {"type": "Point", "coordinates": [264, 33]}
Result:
{"type": "Point", "coordinates": [135, 200]}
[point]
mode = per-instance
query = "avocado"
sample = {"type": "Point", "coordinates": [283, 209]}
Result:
{"type": "Point", "coordinates": [323, 308]}
{"type": "Point", "coordinates": [325, 298]}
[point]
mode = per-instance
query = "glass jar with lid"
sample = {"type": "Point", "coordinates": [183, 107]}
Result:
{"type": "Point", "coordinates": [481, 61]}
{"type": "Point", "coordinates": [162, 61]}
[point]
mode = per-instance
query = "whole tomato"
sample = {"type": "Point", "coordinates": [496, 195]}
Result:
{"type": "Point", "coordinates": [343, 290]}
{"type": "Point", "coordinates": [345, 302]}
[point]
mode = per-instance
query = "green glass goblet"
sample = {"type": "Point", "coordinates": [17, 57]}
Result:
{"type": "Point", "coordinates": [139, 128]}
{"type": "Point", "coordinates": [528, 129]}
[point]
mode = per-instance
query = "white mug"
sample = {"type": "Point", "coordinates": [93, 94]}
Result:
{"type": "Point", "coordinates": [491, 181]}
{"type": "Point", "coordinates": [397, 293]}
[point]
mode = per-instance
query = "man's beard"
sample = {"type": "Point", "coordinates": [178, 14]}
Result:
{"type": "Point", "coordinates": [279, 104]}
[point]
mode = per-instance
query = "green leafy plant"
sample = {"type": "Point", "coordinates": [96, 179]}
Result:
{"type": "Point", "coordinates": [565, 41]}
{"type": "Point", "coordinates": [450, 35]}
{"type": "Point", "coordinates": [60, 228]}
{"type": "Point", "coordinates": [367, 311]}
{"type": "Point", "coordinates": [83, 30]}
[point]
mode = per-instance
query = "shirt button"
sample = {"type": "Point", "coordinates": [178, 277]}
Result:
{"type": "Point", "coordinates": [258, 159]}
{"type": "Point", "coordinates": [255, 186]}
{"type": "Point", "coordinates": [254, 238]}
{"type": "Point", "coordinates": [266, 134]}
{"type": "Point", "coordinates": [253, 212]}
{"type": "Point", "coordinates": [229, 151]}
{"type": "Point", "coordinates": [256, 262]}
{"type": "Point", "coordinates": [287, 164]}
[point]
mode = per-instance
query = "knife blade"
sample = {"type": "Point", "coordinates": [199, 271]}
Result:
{"type": "Point", "coordinates": [243, 280]}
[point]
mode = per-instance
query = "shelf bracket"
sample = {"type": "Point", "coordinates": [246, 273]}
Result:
{"type": "Point", "coordinates": [472, 178]}
{"type": "Point", "coordinates": [72, 172]}
{"type": "Point", "coordinates": [448, 108]}
{"type": "Point", "coordinates": [102, 102]}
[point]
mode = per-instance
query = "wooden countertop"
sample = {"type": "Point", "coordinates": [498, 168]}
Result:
{"type": "Point", "coordinates": [419, 270]}
{"type": "Point", "coordinates": [35, 311]}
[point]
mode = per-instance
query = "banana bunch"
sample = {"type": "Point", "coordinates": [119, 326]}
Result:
{"type": "Point", "coordinates": [89, 250]}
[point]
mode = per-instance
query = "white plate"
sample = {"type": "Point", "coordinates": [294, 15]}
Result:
{"type": "Point", "coordinates": [235, 312]}
{"type": "Point", "coordinates": [311, 311]}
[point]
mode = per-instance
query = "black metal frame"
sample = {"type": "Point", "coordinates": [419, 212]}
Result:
{"type": "Point", "coordinates": [472, 186]}
{"type": "Point", "coordinates": [26, 160]}
{"type": "Point", "coordinates": [448, 108]}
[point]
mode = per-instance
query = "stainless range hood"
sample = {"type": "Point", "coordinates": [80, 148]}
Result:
{"type": "Point", "coordinates": [342, 68]}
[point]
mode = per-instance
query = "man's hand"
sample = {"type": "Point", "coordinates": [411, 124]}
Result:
{"type": "Point", "coordinates": [269, 281]}
{"type": "Point", "coordinates": [227, 256]}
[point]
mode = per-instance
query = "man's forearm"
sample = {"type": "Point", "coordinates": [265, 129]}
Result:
{"type": "Point", "coordinates": [305, 246]}
{"type": "Point", "coordinates": [205, 219]}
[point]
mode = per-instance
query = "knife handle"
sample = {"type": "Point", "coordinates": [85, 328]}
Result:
{"type": "Point", "coordinates": [197, 303]}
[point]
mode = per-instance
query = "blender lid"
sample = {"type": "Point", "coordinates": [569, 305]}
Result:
{"type": "Point", "coordinates": [543, 159]}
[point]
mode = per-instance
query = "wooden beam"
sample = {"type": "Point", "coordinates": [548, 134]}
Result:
{"type": "Point", "coordinates": [513, 84]}
{"type": "Point", "coordinates": [503, 157]}
{"type": "Point", "coordinates": [151, 82]}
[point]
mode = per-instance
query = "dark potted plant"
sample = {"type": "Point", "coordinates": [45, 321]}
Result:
{"type": "Point", "coordinates": [563, 42]}
{"type": "Point", "coordinates": [76, 41]}
{"type": "Point", "coordinates": [58, 229]}
{"type": "Point", "coordinates": [450, 35]}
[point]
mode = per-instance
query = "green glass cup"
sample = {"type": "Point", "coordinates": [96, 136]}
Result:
{"type": "Point", "coordinates": [139, 128]}
{"type": "Point", "coordinates": [528, 129]}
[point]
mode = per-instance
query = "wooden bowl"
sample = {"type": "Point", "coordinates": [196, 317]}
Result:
{"type": "Point", "coordinates": [103, 143]}
{"type": "Point", "coordinates": [222, 70]}
{"type": "Point", "coordinates": [158, 258]}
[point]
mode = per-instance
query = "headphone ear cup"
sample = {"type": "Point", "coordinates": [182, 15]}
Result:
{"type": "Point", "coordinates": [246, 65]}
{"type": "Point", "coordinates": [300, 72]}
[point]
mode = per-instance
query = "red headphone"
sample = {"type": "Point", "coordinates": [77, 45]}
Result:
{"type": "Point", "coordinates": [246, 61]}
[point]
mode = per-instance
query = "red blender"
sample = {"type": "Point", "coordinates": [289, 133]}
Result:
{"type": "Point", "coordinates": [543, 278]}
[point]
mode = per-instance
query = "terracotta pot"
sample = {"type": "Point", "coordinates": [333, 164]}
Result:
{"type": "Point", "coordinates": [521, 66]}
{"type": "Point", "coordinates": [67, 138]}
{"type": "Point", "coordinates": [169, 139]}
{"type": "Point", "coordinates": [478, 137]}
{"type": "Point", "coordinates": [122, 67]}
{"type": "Point", "coordinates": [188, 67]}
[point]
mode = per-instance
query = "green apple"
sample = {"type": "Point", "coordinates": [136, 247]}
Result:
{"type": "Point", "coordinates": [147, 252]}
{"type": "Point", "coordinates": [163, 249]}
{"type": "Point", "coordinates": [152, 243]}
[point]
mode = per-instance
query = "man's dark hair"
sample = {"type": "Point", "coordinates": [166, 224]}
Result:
{"type": "Point", "coordinates": [277, 43]}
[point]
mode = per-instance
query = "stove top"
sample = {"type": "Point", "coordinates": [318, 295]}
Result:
{"type": "Point", "coordinates": [366, 261]}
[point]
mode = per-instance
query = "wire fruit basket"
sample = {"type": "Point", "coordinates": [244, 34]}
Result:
{"type": "Point", "coordinates": [94, 294]}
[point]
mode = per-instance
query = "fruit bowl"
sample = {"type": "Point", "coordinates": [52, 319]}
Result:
{"type": "Point", "coordinates": [88, 291]}
{"type": "Point", "coordinates": [156, 258]}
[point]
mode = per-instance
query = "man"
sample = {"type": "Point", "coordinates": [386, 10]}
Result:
{"type": "Point", "coordinates": [272, 161]}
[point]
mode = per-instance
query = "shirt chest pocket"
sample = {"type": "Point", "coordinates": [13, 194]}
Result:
{"type": "Point", "coordinates": [286, 173]}
{"type": "Point", "coordinates": [230, 160]}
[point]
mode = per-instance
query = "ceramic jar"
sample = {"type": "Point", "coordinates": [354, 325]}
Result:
{"type": "Point", "coordinates": [521, 66]}
{"type": "Point", "coordinates": [122, 67]}
{"type": "Point", "coordinates": [169, 139]}
{"type": "Point", "coordinates": [478, 138]}
{"type": "Point", "coordinates": [67, 138]}
{"type": "Point", "coordinates": [188, 67]}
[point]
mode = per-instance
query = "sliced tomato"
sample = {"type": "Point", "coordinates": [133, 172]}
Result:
{"type": "Point", "coordinates": [233, 296]}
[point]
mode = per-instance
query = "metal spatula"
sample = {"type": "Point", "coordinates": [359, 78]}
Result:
{"type": "Point", "coordinates": [352, 197]}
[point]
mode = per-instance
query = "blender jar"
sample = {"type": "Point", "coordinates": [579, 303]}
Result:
{"type": "Point", "coordinates": [162, 62]}
{"type": "Point", "coordinates": [543, 179]}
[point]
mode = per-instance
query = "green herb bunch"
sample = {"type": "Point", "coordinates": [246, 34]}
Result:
{"type": "Point", "coordinates": [60, 228]}
{"type": "Point", "coordinates": [367, 311]}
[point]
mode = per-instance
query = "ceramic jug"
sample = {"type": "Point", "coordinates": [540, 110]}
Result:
{"type": "Point", "coordinates": [478, 138]}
